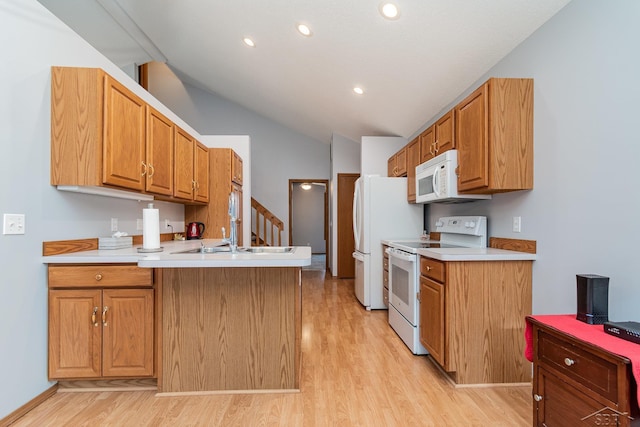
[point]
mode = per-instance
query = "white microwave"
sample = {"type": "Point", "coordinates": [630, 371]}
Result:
{"type": "Point", "coordinates": [437, 182]}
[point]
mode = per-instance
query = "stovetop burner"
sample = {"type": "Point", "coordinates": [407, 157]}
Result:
{"type": "Point", "coordinates": [425, 245]}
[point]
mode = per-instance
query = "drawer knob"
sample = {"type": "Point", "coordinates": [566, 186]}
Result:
{"type": "Point", "coordinates": [568, 361]}
{"type": "Point", "coordinates": [537, 397]}
{"type": "Point", "coordinates": [98, 277]}
{"type": "Point", "coordinates": [428, 268]}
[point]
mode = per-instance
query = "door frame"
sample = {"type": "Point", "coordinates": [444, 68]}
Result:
{"type": "Point", "coordinates": [326, 212]}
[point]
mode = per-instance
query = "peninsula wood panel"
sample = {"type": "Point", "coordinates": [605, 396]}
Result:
{"type": "Point", "coordinates": [231, 329]}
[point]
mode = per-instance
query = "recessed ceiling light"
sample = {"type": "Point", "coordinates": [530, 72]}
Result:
{"type": "Point", "coordinates": [304, 30]}
{"type": "Point", "coordinates": [389, 10]}
{"type": "Point", "coordinates": [358, 90]}
{"type": "Point", "coordinates": [249, 42]}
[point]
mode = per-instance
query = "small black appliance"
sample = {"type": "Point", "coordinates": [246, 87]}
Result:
{"type": "Point", "coordinates": [593, 299]}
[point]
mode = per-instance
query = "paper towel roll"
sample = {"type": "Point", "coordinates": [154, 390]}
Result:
{"type": "Point", "coordinates": [150, 228]}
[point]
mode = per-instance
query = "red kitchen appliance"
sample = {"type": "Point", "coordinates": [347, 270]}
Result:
{"type": "Point", "coordinates": [195, 230]}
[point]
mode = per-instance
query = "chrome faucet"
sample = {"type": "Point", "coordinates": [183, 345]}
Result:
{"type": "Point", "coordinates": [233, 214]}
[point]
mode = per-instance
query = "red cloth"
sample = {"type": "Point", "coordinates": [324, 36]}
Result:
{"type": "Point", "coordinates": [593, 334]}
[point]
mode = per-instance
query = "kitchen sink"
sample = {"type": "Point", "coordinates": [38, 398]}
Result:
{"type": "Point", "coordinates": [205, 250]}
{"type": "Point", "coordinates": [268, 249]}
{"type": "Point", "coordinates": [251, 250]}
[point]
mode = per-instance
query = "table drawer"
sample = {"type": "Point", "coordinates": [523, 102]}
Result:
{"type": "Point", "coordinates": [100, 276]}
{"type": "Point", "coordinates": [432, 269]}
{"type": "Point", "coordinates": [578, 364]}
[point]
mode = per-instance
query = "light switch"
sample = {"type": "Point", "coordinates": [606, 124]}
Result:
{"type": "Point", "coordinates": [517, 224]}
{"type": "Point", "coordinates": [13, 224]}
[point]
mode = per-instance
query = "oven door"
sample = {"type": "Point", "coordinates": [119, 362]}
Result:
{"type": "Point", "coordinates": [403, 280]}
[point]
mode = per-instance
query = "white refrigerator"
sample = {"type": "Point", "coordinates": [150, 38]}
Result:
{"type": "Point", "coordinates": [380, 211]}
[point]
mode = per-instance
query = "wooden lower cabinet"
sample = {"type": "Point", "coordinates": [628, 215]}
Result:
{"type": "Point", "coordinates": [100, 332]}
{"type": "Point", "coordinates": [578, 384]}
{"type": "Point", "coordinates": [472, 318]}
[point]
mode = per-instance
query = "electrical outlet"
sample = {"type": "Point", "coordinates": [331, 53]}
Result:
{"type": "Point", "coordinates": [167, 223]}
{"type": "Point", "coordinates": [13, 224]}
{"type": "Point", "coordinates": [517, 224]}
{"type": "Point", "coordinates": [114, 224]}
{"type": "Point", "coordinates": [139, 224]}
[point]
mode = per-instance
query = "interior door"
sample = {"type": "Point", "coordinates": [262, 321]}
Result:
{"type": "Point", "coordinates": [345, 240]}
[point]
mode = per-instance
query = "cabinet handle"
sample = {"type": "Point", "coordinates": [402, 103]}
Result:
{"type": "Point", "coordinates": [537, 397]}
{"type": "Point", "coordinates": [193, 185]}
{"type": "Point", "coordinates": [144, 168]}
{"type": "Point", "coordinates": [151, 170]}
{"type": "Point", "coordinates": [104, 315]}
{"type": "Point", "coordinates": [93, 316]}
{"type": "Point", "coordinates": [98, 277]}
{"type": "Point", "coordinates": [418, 296]}
{"type": "Point", "coordinates": [568, 361]}
{"type": "Point", "coordinates": [428, 268]}
{"type": "Point", "coordinates": [436, 146]}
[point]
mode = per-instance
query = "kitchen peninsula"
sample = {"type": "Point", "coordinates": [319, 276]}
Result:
{"type": "Point", "coordinates": [221, 321]}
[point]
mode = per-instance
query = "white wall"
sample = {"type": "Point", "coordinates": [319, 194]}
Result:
{"type": "Point", "coordinates": [33, 41]}
{"type": "Point", "coordinates": [345, 158]}
{"type": "Point", "coordinates": [278, 153]}
{"type": "Point", "coordinates": [375, 152]}
{"type": "Point", "coordinates": [584, 208]}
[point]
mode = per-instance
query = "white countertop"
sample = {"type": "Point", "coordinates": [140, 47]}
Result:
{"type": "Point", "coordinates": [475, 254]}
{"type": "Point", "coordinates": [466, 254]}
{"type": "Point", "coordinates": [300, 256]}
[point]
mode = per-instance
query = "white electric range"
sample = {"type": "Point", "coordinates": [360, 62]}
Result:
{"type": "Point", "coordinates": [404, 271]}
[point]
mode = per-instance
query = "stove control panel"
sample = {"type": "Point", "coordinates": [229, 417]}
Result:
{"type": "Point", "coordinates": [470, 225]}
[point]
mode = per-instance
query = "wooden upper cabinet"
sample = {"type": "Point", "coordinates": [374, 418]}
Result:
{"type": "Point", "coordinates": [215, 214]}
{"type": "Point", "coordinates": [494, 137]}
{"type": "Point", "coordinates": [413, 160]}
{"type": "Point", "coordinates": [201, 172]}
{"type": "Point", "coordinates": [236, 169]}
{"type": "Point", "coordinates": [184, 160]}
{"type": "Point", "coordinates": [102, 134]}
{"type": "Point", "coordinates": [397, 164]}
{"type": "Point", "coordinates": [444, 132]}
{"type": "Point", "coordinates": [160, 139]}
{"type": "Point", "coordinates": [438, 138]}
{"type": "Point", "coordinates": [427, 144]}
{"type": "Point", "coordinates": [124, 137]}
{"type": "Point", "coordinates": [192, 168]}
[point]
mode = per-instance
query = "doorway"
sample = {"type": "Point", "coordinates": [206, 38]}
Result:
{"type": "Point", "coordinates": [345, 242]}
{"type": "Point", "coordinates": [309, 215]}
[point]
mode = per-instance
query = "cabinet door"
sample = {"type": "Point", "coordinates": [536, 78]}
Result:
{"type": "Point", "coordinates": [238, 189]}
{"type": "Point", "coordinates": [124, 137]}
{"type": "Point", "coordinates": [471, 135]}
{"type": "Point", "coordinates": [401, 162]}
{"type": "Point", "coordinates": [127, 332]}
{"type": "Point", "coordinates": [75, 333]}
{"type": "Point", "coordinates": [562, 405]}
{"type": "Point", "coordinates": [184, 160]}
{"type": "Point", "coordinates": [159, 153]}
{"type": "Point", "coordinates": [236, 169]}
{"type": "Point", "coordinates": [413, 160]}
{"type": "Point", "coordinates": [391, 166]}
{"type": "Point", "coordinates": [444, 131]}
{"type": "Point", "coordinates": [427, 144]}
{"type": "Point", "coordinates": [432, 321]}
{"type": "Point", "coordinates": [201, 172]}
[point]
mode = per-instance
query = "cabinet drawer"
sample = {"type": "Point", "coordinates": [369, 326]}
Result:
{"type": "Point", "coordinates": [385, 279]}
{"type": "Point", "coordinates": [432, 269]}
{"type": "Point", "coordinates": [578, 364]}
{"type": "Point", "coordinates": [385, 264]}
{"type": "Point", "coordinates": [102, 276]}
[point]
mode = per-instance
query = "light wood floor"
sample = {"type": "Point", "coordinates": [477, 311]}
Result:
{"type": "Point", "coordinates": [355, 372]}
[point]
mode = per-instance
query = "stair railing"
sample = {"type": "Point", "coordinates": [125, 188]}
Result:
{"type": "Point", "coordinates": [265, 227]}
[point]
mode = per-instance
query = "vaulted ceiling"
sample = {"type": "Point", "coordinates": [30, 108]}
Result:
{"type": "Point", "coordinates": [409, 68]}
